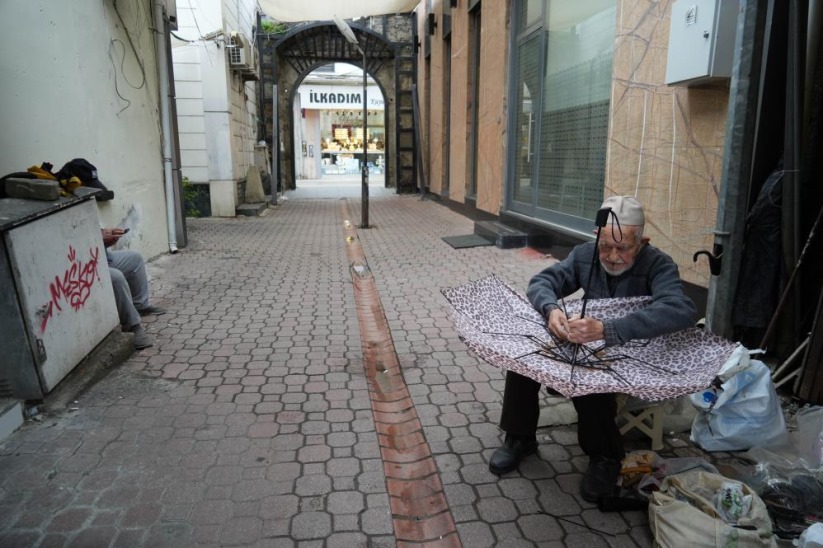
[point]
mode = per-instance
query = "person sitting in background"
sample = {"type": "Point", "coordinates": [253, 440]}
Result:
{"type": "Point", "coordinates": [131, 288]}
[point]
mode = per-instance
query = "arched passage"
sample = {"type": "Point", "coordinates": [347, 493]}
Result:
{"type": "Point", "coordinates": [390, 61]}
{"type": "Point", "coordinates": [328, 110]}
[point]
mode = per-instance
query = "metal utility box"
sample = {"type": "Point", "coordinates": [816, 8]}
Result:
{"type": "Point", "coordinates": [56, 298]}
{"type": "Point", "coordinates": [701, 41]}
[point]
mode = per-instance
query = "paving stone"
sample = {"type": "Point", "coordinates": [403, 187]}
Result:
{"type": "Point", "coordinates": [476, 534]}
{"type": "Point", "coordinates": [311, 525]}
{"type": "Point", "coordinates": [540, 528]}
{"type": "Point", "coordinates": [71, 519]}
{"type": "Point", "coordinates": [93, 536]}
{"type": "Point", "coordinates": [316, 484]}
{"type": "Point", "coordinates": [241, 531]}
{"type": "Point", "coordinates": [346, 522]}
{"type": "Point", "coordinates": [347, 540]}
{"type": "Point", "coordinates": [345, 502]}
{"type": "Point", "coordinates": [497, 509]}
{"type": "Point", "coordinates": [128, 538]}
{"type": "Point", "coordinates": [376, 521]}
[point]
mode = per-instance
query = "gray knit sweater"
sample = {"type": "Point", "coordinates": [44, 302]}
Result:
{"type": "Point", "coordinates": [654, 274]}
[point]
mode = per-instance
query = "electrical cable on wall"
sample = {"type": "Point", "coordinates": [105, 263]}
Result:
{"type": "Point", "coordinates": [114, 66]}
{"type": "Point", "coordinates": [133, 49]}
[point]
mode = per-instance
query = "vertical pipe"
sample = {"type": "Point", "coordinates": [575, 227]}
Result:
{"type": "Point", "coordinates": [275, 147]}
{"type": "Point", "coordinates": [364, 169]}
{"type": "Point", "coordinates": [793, 158]}
{"type": "Point", "coordinates": [165, 119]}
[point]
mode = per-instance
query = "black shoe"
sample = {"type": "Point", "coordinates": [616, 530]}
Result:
{"type": "Point", "coordinates": [152, 311]}
{"type": "Point", "coordinates": [600, 478]}
{"type": "Point", "coordinates": [508, 457]}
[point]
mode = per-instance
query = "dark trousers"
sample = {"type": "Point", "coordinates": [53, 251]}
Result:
{"type": "Point", "coordinates": [597, 431]}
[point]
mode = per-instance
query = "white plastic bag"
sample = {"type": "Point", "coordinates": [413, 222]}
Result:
{"type": "Point", "coordinates": [810, 435]}
{"type": "Point", "coordinates": [811, 537]}
{"type": "Point", "coordinates": [744, 412]}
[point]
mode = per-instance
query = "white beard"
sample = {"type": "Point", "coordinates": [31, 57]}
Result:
{"type": "Point", "coordinates": [615, 272]}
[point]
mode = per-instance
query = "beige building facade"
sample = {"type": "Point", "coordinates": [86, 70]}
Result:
{"type": "Point", "coordinates": [538, 110]}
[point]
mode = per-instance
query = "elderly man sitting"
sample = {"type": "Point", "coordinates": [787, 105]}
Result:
{"type": "Point", "coordinates": [628, 267]}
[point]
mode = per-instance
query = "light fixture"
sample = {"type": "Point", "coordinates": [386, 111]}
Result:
{"type": "Point", "coordinates": [345, 30]}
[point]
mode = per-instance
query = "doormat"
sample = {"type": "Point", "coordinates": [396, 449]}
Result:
{"type": "Point", "coordinates": [467, 240]}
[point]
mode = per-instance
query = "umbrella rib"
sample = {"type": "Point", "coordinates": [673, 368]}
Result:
{"type": "Point", "coordinates": [645, 364]}
{"type": "Point", "coordinates": [549, 359]}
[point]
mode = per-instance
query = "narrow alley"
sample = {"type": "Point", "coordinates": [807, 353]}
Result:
{"type": "Point", "coordinates": [251, 421]}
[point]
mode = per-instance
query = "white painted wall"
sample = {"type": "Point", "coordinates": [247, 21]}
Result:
{"type": "Point", "coordinates": [72, 86]}
{"type": "Point", "coordinates": [216, 109]}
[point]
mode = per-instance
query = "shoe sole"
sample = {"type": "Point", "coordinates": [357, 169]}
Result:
{"type": "Point", "coordinates": [501, 471]}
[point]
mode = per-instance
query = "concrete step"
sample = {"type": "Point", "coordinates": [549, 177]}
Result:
{"type": "Point", "coordinates": [11, 417]}
{"type": "Point", "coordinates": [251, 210]}
{"type": "Point", "coordinates": [504, 237]}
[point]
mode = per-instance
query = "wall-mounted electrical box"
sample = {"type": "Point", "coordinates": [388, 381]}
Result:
{"type": "Point", "coordinates": [701, 41]}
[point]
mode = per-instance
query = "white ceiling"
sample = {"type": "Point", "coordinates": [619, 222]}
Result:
{"type": "Point", "coordinates": [290, 11]}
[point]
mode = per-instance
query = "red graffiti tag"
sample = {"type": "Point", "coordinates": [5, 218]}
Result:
{"type": "Point", "coordinates": [75, 286]}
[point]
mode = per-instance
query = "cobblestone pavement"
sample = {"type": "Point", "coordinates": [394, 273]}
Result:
{"type": "Point", "coordinates": [250, 422]}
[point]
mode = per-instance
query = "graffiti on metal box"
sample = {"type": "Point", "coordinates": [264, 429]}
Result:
{"type": "Point", "coordinates": [75, 285]}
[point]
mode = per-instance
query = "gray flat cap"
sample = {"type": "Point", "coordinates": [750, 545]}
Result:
{"type": "Point", "coordinates": [627, 208]}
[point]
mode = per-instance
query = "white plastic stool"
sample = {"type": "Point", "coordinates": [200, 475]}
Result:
{"type": "Point", "coordinates": [644, 416]}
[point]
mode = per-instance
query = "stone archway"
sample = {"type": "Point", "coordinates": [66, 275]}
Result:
{"type": "Point", "coordinates": [390, 61]}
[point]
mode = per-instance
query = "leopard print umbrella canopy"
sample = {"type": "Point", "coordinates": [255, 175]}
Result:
{"type": "Point", "coordinates": [500, 325]}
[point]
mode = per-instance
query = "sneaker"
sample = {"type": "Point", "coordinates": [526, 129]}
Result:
{"type": "Point", "coordinates": [152, 311]}
{"type": "Point", "coordinates": [141, 339]}
{"type": "Point", "coordinates": [600, 478]}
{"type": "Point", "coordinates": [508, 457]}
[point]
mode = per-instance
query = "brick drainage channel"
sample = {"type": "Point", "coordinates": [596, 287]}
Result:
{"type": "Point", "coordinates": [420, 512]}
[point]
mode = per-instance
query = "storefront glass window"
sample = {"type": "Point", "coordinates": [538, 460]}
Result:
{"type": "Point", "coordinates": [577, 82]}
{"type": "Point", "coordinates": [526, 137]}
{"type": "Point", "coordinates": [572, 93]}
{"type": "Point", "coordinates": [530, 13]}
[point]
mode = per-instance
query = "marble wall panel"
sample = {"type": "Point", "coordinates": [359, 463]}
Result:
{"type": "Point", "coordinates": [491, 123]}
{"type": "Point", "coordinates": [436, 128]}
{"type": "Point", "coordinates": [458, 116]}
{"type": "Point", "coordinates": [492, 103]}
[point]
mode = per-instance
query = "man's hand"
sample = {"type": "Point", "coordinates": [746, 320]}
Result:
{"type": "Point", "coordinates": [111, 235]}
{"type": "Point", "coordinates": [574, 329]}
{"type": "Point", "coordinates": [558, 324]}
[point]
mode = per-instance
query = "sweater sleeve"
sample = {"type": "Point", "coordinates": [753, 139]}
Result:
{"type": "Point", "coordinates": [556, 281]}
{"type": "Point", "coordinates": [670, 310]}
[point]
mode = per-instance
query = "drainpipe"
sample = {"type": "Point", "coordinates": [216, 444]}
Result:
{"type": "Point", "coordinates": [165, 119]}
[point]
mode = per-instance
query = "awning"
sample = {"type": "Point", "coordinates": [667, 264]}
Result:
{"type": "Point", "coordinates": [289, 11]}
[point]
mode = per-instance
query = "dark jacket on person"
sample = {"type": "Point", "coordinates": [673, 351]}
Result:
{"type": "Point", "coordinates": [653, 274]}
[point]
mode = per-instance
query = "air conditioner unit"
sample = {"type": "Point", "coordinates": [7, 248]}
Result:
{"type": "Point", "coordinates": [239, 52]}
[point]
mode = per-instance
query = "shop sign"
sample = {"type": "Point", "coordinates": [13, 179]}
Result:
{"type": "Point", "coordinates": [335, 97]}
